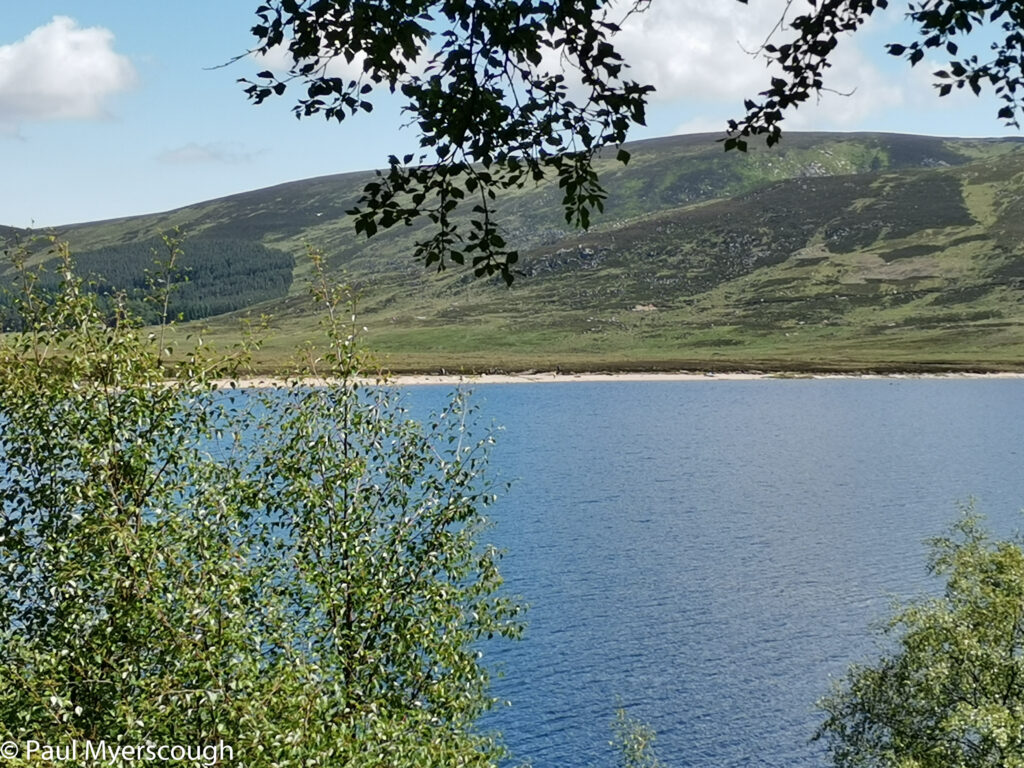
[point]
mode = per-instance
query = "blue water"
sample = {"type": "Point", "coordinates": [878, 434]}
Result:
{"type": "Point", "coordinates": [710, 553]}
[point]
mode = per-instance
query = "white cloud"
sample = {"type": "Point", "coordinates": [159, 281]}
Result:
{"type": "Point", "coordinates": [61, 71]}
{"type": "Point", "coordinates": [858, 93]}
{"type": "Point", "coordinates": [696, 52]}
{"type": "Point", "coordinates": [697, 49]}
{"type": "Point", "coordinates": [217, 152]}
{"type": "Point", "coordinates": [698, 56]}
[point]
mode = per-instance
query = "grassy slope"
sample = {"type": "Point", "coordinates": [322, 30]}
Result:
{"type": "Point", "coordinates": [833, 252]}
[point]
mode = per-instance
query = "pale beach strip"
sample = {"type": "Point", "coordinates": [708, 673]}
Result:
{"type": "Point", "coordinates": [553, 377]}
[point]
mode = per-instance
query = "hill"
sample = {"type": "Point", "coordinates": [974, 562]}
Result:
{"type": "Point", "coordinates": [829, 252]}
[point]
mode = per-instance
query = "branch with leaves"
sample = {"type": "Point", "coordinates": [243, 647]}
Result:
{"type": "Point", "coordinates": [502, 94]}
{"type": "Point", "coordinates": [804, 60]}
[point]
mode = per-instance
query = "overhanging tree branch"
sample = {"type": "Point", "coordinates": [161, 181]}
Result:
{"type": "Point", "coordinates": [492, 109]}
{"type": "Point", "coordinates": [803, 61]}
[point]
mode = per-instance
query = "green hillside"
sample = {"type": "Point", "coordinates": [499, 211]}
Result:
{"type": "Point", "coordinates": [829, 252]}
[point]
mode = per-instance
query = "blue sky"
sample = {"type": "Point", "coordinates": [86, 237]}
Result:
{"type": "Point", "coordinates": [118, 107]}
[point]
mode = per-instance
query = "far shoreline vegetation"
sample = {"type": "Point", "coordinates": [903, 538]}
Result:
{"type": "Point", "coordinates": [478, 368]}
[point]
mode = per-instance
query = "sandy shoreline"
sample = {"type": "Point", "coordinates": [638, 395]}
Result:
{"type": "Point", "coordinates": [552, 377]}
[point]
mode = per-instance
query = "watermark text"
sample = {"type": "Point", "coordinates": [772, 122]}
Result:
{"type": "Point", "coordinates": [116, 753]}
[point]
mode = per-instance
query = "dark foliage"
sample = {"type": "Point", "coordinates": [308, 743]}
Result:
{"type": "Point", "coordinates": [211, 277]}
{"type": "Point", "coordinates": [907, 252]}
{"type": "Point", "coordinates": [693, 250]}
{"type": "Point", "coordinates": [901, 208]}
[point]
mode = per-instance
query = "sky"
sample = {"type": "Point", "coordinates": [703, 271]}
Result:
{"type": "Point", "coordinates": [113, 108]}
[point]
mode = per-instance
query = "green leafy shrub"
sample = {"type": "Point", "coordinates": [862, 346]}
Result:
{"type": "Point", "coordinates": [951, 690]}
{"type": "Point", "coordinates": [634, 742]}
{"type": "Point", "coordinates": [293, 572]}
